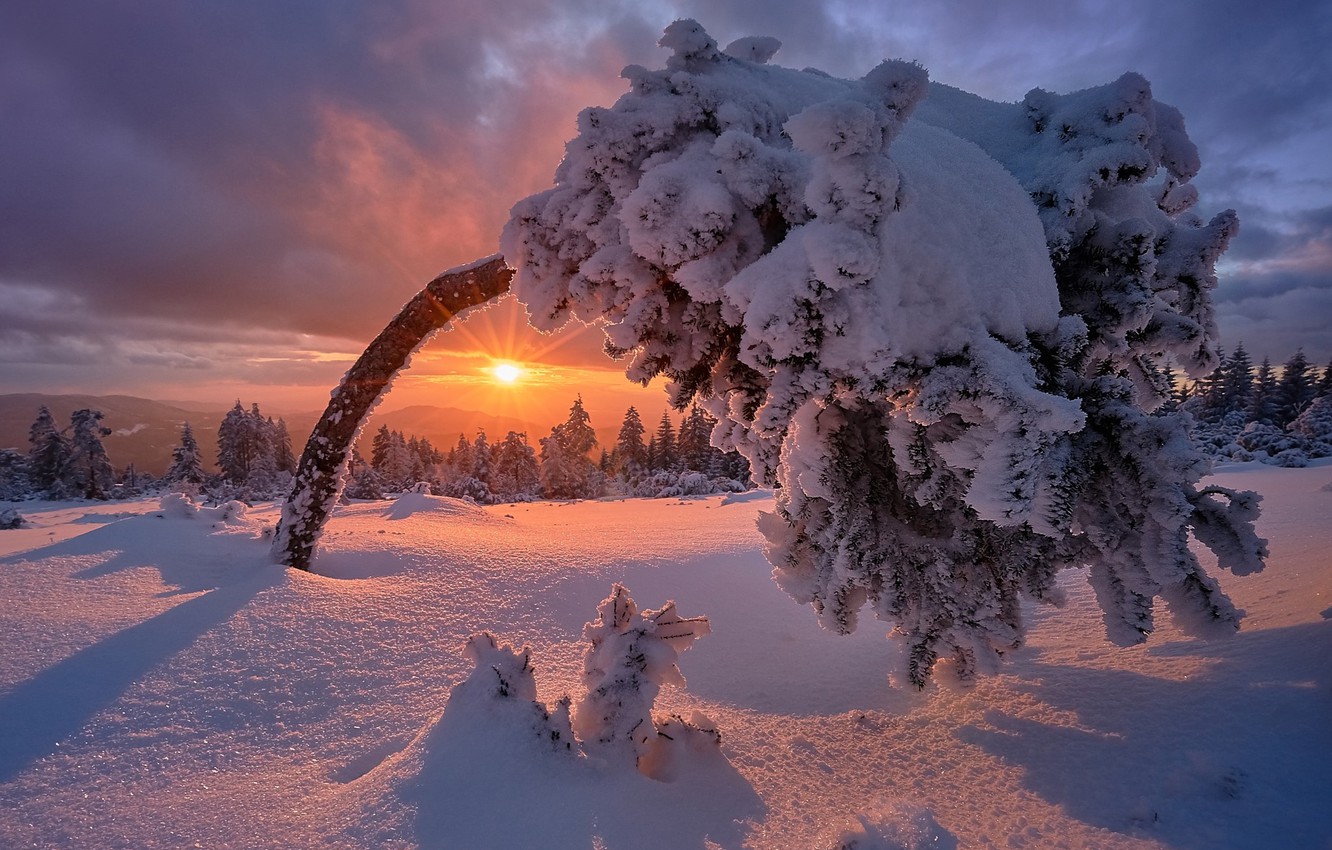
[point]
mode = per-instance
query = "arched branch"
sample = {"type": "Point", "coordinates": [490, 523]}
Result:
{"type": "Point", "coordinates": [323, 464]}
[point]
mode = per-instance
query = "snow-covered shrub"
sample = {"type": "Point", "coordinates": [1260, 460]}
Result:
{"type": "Point", "coordinates": [178, 506]}
{"type": "Point", "coordinates": [503, 679]}
{"type": "Point", "coordinates": [10, 519]}
{"type": "Point", "coordinates": [366, 484]}
{"type": "Point", "coordinates": [1315, 426]}
{"type": "Point", "coordinates": [899, 827]}
{"type": "Point", "coordinates": [934, 323]}
{"type": "Point", "coordinates": [672, 484]}
{"type": "Point", "coordinates": [467, 487]}
{"type": "Point", "coordinates": [631, 654]}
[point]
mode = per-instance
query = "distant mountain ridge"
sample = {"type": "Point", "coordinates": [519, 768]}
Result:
{"type": "Point", "coordinates": [145, 431]}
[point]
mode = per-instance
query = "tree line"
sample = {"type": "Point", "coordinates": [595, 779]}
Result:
{"type": "Point", "coordinates": [1242, 412]}
{"type": "Point", "coordinates": [256, 461]}
{"type": "Point", "coordinates": [563, 465]}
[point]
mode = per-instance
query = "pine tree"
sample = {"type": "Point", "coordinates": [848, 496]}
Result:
{"type": "Point", "coordinates": [668, 454]}
{"type": "Point", "coordinates": [1238, 381]}
{"type": "Point", "coordinates": [1263, 403]}
{"type": "Point", "coordinates": [482, 459]}
{"type": "Point", "coordinates": [14, 481]}
{"type": "Point", "coordinates": [576, 432]}
{"type": "Point", "coordinates": [235, 445]}
{"type": "Point", "coordinates": [694, 441]}
{"type": "Point", "coordinates": [515, 472]}
{"type": "Point", "coordinates": [48, 454]}
{"type": "Point", "coordinates": [379, 447]}
{"type": "Point", "coordinates": [630, 454]}
{"type": "Point", "coordinates": [186, 464]}
{"type": "Point", "coordinates": [1325, 383]}
{"type": "Point", "coordinates": [285, 458]}
{"type": "Point", "coordinates": [1294, 390]}
{"type": "Point", "coordinates": [89, 471]}
{"type": "Point", "coordinates": [567, 471]}
{"type": "Point", "coordinates": [938, 463]}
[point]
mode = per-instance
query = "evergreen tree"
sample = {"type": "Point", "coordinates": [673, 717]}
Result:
{"type": "Point", "coordinates": [283, 454]}
{"type": "Point", "coordinates": [937, 463]}
{"type": "Point", "coordinates": [1294, 390]}
{"type": "Point", "coordinates": [694, 441]}
{"type": "Point", "coordinates": [1238, 381]}
{"type": "Point", "coordinates": [1325, 383]}
{"type": "Point", "coordinates": [186, 464]}
{"type": "Point", "coordinates": [1263, 404]}
{"type": "Point", "coordinates": [667, 454]}
{"type": "Point", "coordinates": [379, 447]}
{"type": "Point", "coordinates": [89, 470]}
{"type": "Point", "coordinates": [515, 472]}
{"type": "Point", "coordinates": [396, 468]}
{"type": "Point", "coordinates": [461, 461]}
{"type": "Point", "coordinates": [481, 458]}
{"type": "Point", "coordinates": [629, 454]}
{"type": "Point", "coordinates": [14, 481]}
{"type": "Point", "coordinates": [235, 445]}
{"type": "Point", "coordinates": [576, 433]}
{"type": "Point", "coordinates": [567, 471]}
{"type": "Point", "coordinates": [48, 454]}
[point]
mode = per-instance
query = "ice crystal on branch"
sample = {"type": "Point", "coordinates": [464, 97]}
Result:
{"type": "Point", "coordinates": [936, 323]}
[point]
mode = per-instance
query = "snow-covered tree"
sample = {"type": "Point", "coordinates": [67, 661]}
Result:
{"type": "Point", "coordinates": [48, 454]}
{"type": "Point", "coordinates": [630, 655]}
{"type": "Point", "coordinates": [666, 454]}
{"type": "Point", "coordinates": [89, 471]}
{"type": "Point", "coordinates": [379, 447]}
{"type": "Point", "coordinates": [482, 458]}
{"type": "Point", "coordinates": [1263, 404]}
{"type": "Point", "coordinates": [1325, 382]}
{"type": "Point", "coordinates": [1315, 423]}
{"type": "Point", "coordinates": [283, 456]}
{"type": "Point", "coordinates": [236, 445]}
{"type": "Point", "coordinates": [694, 444]}
{"type": "Point", "coordinates": [630, 453]}
{"type": "Point", "coordinates": [516, 474]}
{"type": "Point", "coordinates": [14, 481]}
{"type": "Point", "coordinates": [1294, 390]}
{"type": "Point", "coordinates": [567, 471]}
{"type": "Point", "coordinates": [936, 323]}
{"type": "Point", "coordinates": [186, 464]}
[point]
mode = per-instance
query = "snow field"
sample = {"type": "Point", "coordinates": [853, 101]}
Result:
{"type": "Point", "coordinates": [164, 686]}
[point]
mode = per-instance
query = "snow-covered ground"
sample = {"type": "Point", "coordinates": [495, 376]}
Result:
{"type": "Point", "coordinates": [162, 685]}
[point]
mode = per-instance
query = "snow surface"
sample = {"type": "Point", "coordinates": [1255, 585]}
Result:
{"type": "Point", "coordinates": [162, 685]}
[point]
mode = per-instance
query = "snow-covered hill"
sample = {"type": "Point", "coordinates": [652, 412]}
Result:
{"type": "Point", "coordinates": [163, 686]}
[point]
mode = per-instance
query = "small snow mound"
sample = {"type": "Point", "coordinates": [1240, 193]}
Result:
{"type": "Point", "coordinates": [178, 506]}
{"type": "Point", "coordinates": [753, 48]}
{"type": "Point", "coordinates": [11, 519]}
{"type": "Point", "coordinates": [749, 496]}
{"type": "Point", "coordinates": [899, 827]}
{"type": "Point", "coordinates": [413, 503]}
{"type": "Point", "coordinates": [227, 513]}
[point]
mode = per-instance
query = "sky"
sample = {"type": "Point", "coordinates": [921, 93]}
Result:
{"type": "Point", "coordinates": [221, 201]}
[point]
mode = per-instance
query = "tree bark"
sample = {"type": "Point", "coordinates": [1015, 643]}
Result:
{"type": "Point", "coordinates": [323, 466]}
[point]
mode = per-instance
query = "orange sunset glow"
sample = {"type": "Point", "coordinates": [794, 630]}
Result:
{"type": "Point", "coordinates": [492, 360]}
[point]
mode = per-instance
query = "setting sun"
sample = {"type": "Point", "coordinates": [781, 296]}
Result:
{"type": "Point", "coordinates": [506, 373]}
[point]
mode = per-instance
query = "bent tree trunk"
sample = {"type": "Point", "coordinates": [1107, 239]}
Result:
{"type": "Point", "coordinates": [323, 465]}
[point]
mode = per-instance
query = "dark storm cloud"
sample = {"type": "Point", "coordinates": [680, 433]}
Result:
{"type": "Point", "coordinates": [261, 162]}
